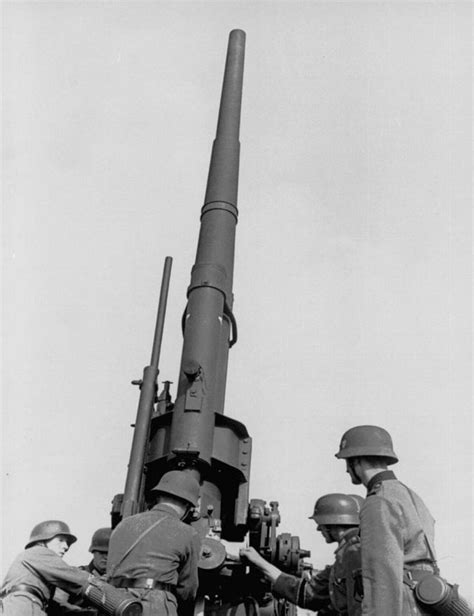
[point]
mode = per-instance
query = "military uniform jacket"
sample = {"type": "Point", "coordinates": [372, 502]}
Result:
{"type": "Point", "coordinates": [168, 553]}
{"type": "Point", "coordinates": [393, 523]}
{"type": "Point", "coordinates": [43, 569]}
{"type": "Point", "coordinates": [332, 590]}
{"type": "Point", "coordinates": [345, 575]}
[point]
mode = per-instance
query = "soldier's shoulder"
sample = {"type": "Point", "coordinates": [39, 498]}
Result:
{"type": "Point", "coordinates": [380, 500]}
{"type": "Point", "coordinates": [349, 539]}
{"type": "Point", "coordinates": [353, 541]}
{"type": "Point", "coordinates": [19, 558]}
{"type": "Point", "coordinates": [377, 489]}
{"type": "Point", "coordinates": [131, 520]}
{"type": "Point", "coordinates": [385, 487]}
{"type": "Point", "coordinates": [389, 498]}
{"type": "Point", "coordinates": [351, 547]}
{"type": "Point", "coordinates": [352, 552]}
{"type": "Point", "coordinates": [187, 529]}
{"type": "Point", "coordinates": [37, 552]}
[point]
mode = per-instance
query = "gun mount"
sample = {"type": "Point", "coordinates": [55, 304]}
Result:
{"type": "Point", "coordinates": [193, 434]}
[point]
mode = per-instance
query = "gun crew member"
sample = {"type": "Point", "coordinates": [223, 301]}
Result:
{"type": "Point", "coordinates": [336, 589]}
{"type": "Point", "coordinates": [31, 579]}
{"type": "Point", "coordinates": [155, 554]}
{"type": "Point", "coordinates": [99, 549]}
{"type": "Point", "coordinates": [396, 527]}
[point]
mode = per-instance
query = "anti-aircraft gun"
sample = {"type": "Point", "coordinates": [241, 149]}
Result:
{"type": "Point", "coordinates": [192, 434]}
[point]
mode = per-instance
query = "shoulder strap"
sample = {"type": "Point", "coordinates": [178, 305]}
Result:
{"type": "Point", "coordinates": [427, 541]}
{"type": "Point", "coordinates": [134, 544]}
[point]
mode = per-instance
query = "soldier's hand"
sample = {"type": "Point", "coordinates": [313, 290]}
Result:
{"type": "Point", "coordinates": [252, 556]}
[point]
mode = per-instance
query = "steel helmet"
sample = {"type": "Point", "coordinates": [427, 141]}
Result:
{"type": "Point", "coordinates": [100, 540]}
{"type": "Point", "coordinates": [180, 484]}
{"type": "Point", "coordinates": [44, 531]}
{"type": "Point", "coordinates": [367, 441]}
{"type": "Point", "coordinates": [360, 500]}
{"type": "Point", "coordinates": [336, 509]}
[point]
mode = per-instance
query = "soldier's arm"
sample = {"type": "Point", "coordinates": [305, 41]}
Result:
{"type": "Point", "coordinates": [53, 570]}
{"type": "Point", "coordinates": [381, 534]}
{"type": "Point", "coordinates": [353, 577]}
{"type": "Point", "coordinates": [188, 575]}
{"type": "Point", "coordinates": [312, 594]}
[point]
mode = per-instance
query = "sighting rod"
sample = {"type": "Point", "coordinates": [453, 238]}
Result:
{"type": "Point", "coordinates": [148, 389]}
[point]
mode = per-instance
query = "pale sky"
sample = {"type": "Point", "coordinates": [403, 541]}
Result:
{"type": "Point", "coordinates": [353, 259]}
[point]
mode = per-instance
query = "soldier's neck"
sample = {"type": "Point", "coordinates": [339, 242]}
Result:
{"type": "Point", "coordinates": [367, 473]}
{"type": "Point", "coordinates": [178, 506]}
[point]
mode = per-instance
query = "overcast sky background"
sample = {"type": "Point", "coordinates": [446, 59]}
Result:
{"type": "Point", "coordinates": [353, 269]}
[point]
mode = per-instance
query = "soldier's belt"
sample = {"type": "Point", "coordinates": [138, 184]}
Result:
{"type": "Point", "coordinates": [25, 588]}
{"type": "Point", "coordinates": [419, 568]}
{"type": "Point", "coordinates": [425, 564]}
{"type": "Point", "coordinates": [144, 583]}
{"type": "Point", "coordinates": [415, 574]}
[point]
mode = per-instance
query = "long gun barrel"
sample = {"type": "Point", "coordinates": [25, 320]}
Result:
{"type": "Point", "coordinates": [209, 325]}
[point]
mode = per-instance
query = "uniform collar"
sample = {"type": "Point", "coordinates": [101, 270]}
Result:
{"type": "Point", "coordinates": [347, 536]}
{"type": "Point", "coordinates": [166, 509]}
{"type": "Point", "coordinates": [91, 568]}
{"type": "Point", "coordinates": [41, 548]}
{"type": "Point", "coordinates": [378, 478]}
